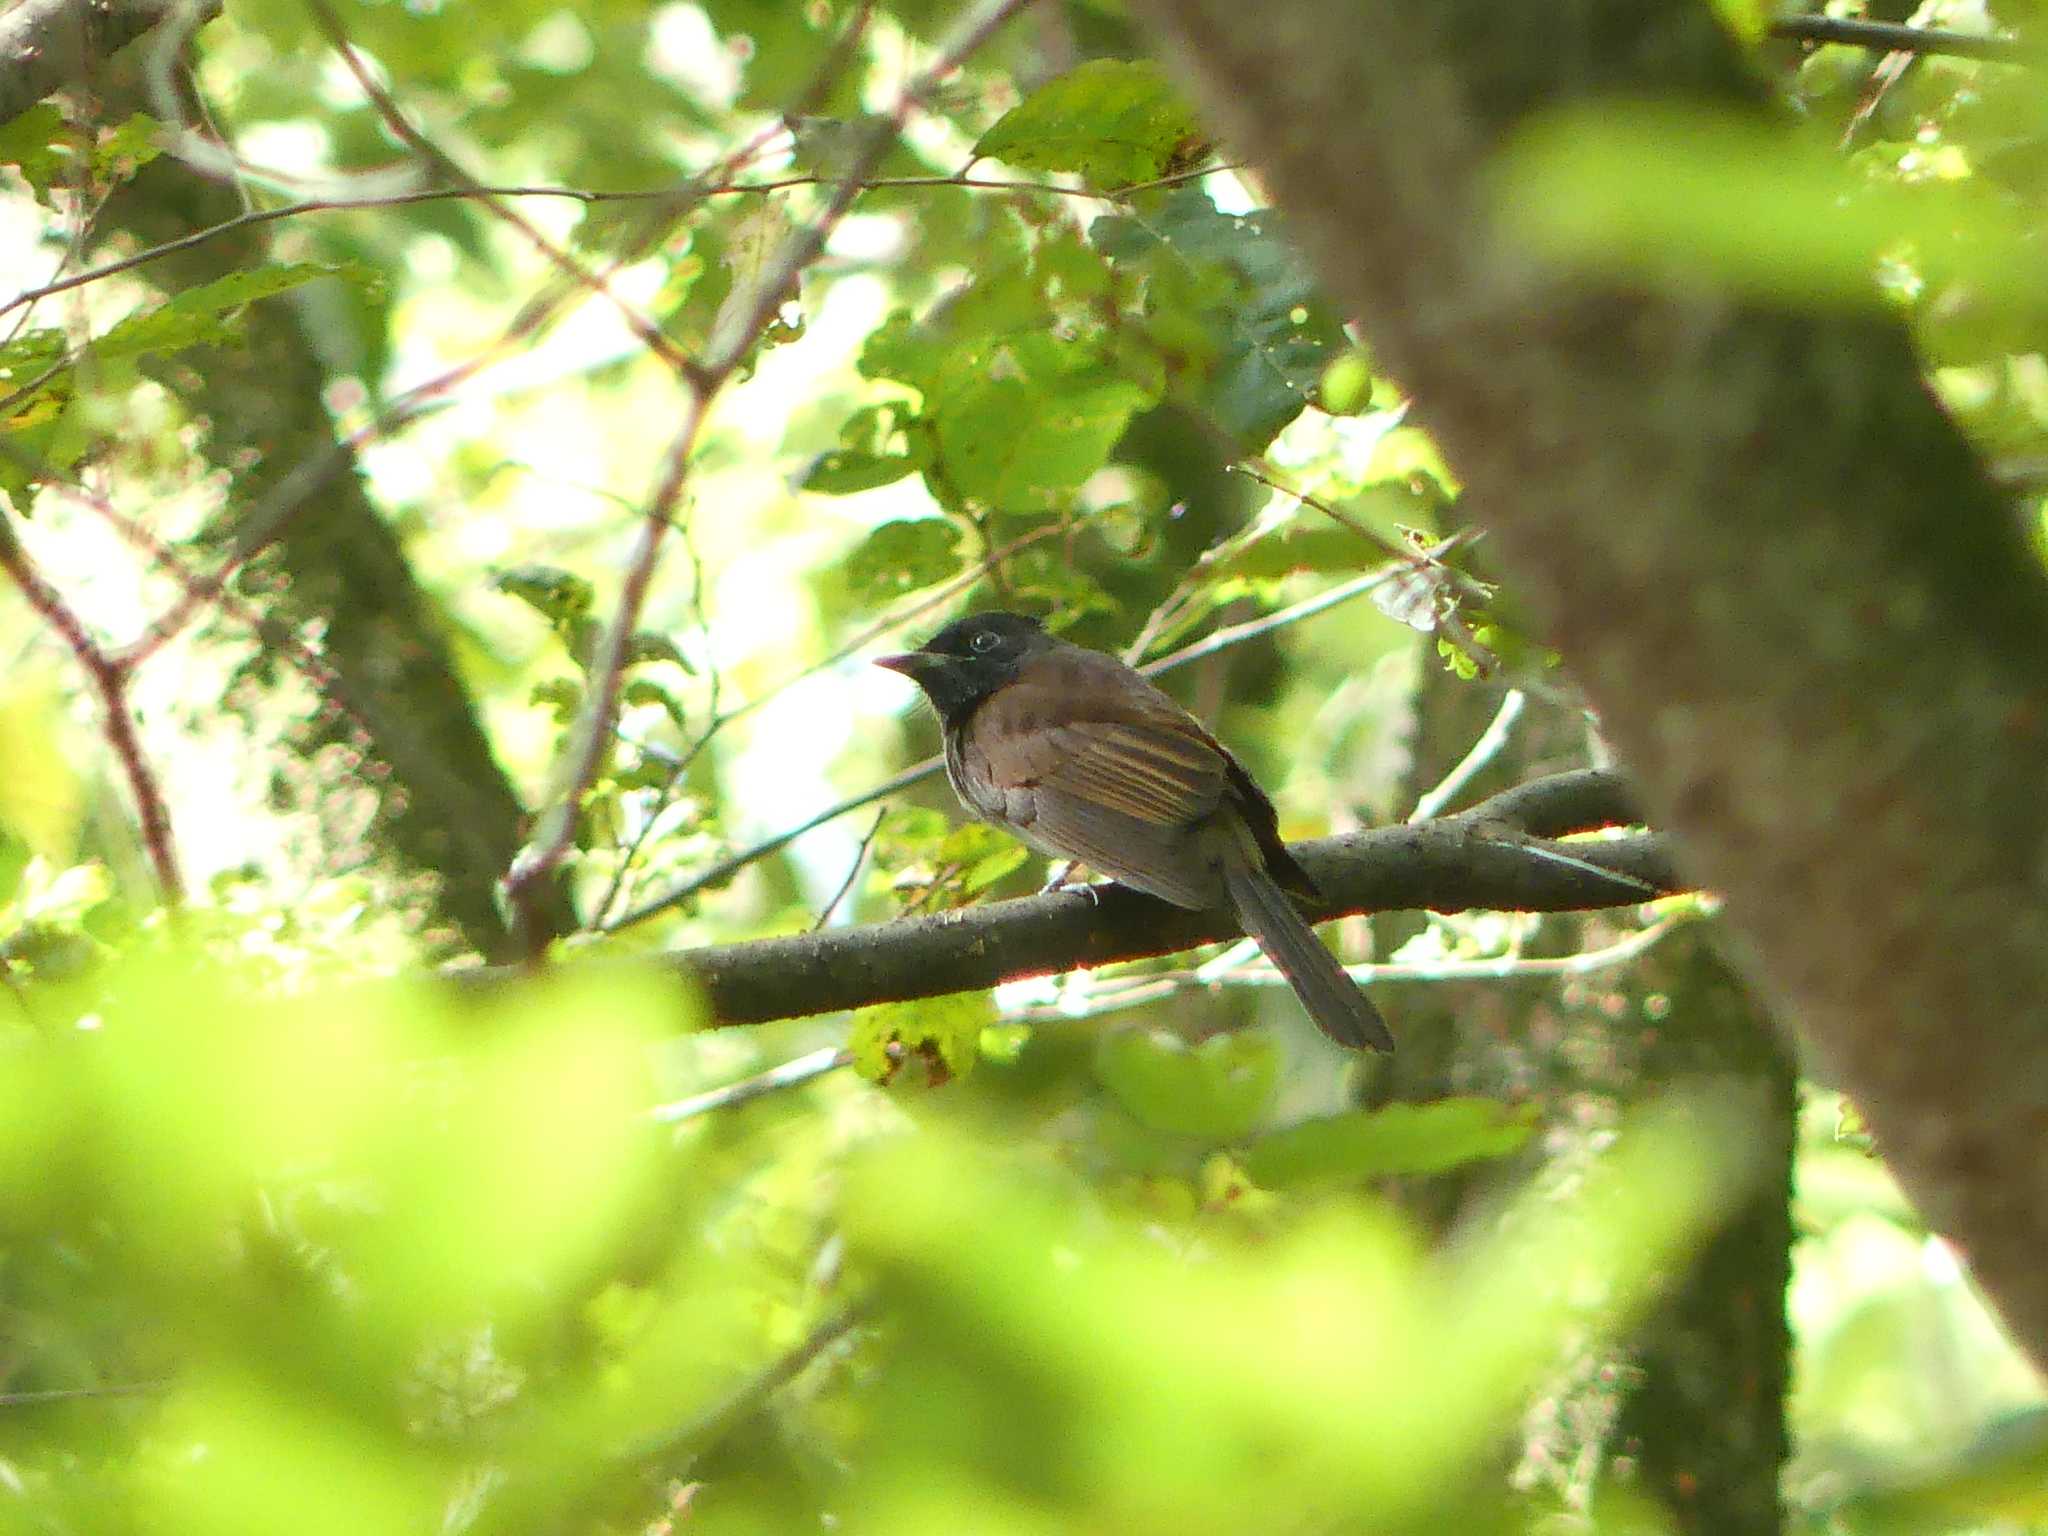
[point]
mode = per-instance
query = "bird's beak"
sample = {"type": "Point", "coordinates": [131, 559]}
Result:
{"type": "Point", "coordinates": [912, 664]}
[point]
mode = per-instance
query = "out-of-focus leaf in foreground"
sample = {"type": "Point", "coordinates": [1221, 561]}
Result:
{"type": "Point", "coordinates": [385, 1250]}
{"type": "Point", "coordinates": [1055, 1371]}
{"type": "Point", "coordinates": [1685, 198]}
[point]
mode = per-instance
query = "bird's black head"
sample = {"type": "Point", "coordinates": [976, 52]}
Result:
{"type": "Point", "coordinates": [970, 659]}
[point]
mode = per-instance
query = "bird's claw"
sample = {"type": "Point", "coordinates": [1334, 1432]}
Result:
{"type": "Point", "coordinates": [1062, 879]}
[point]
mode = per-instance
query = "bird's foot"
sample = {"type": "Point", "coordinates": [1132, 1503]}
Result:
{"type": "Point", "coordinates": [1062, 879]}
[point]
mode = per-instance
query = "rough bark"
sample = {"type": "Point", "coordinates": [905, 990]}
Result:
{"type": "Point", "coordinates": [1807, 619]}
{"type": "Point", "coordinates": [1703, 1424]}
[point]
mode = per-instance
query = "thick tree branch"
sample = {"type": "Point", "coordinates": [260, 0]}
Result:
{"type": "Point", "coordinates": [1809, 622]}
{"type": "Point", "coordinates": [1480, 859]}
{"type": "Point", "coordinates": [46, 45]}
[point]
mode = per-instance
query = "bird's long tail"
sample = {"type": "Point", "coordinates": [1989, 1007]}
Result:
{"type": "Point", "coordinates": [1332, 998]}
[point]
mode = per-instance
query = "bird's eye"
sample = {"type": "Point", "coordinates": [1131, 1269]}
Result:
{"type": "Point", "coordinates": [984, 642]}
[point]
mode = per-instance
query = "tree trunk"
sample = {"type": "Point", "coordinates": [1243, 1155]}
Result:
{"type": "Point", "coordinates": [1810, 624]}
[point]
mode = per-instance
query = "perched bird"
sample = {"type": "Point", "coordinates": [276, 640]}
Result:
{"type": "Point", "coordinates": [1084, 759]}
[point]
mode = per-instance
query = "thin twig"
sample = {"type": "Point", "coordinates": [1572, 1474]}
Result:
{"type": "Point", "coordinates": [860, 857]}
{"type": "Point", "coordinates": [702, 1434]}
{"type": "Point", "coordinates": [644, 330]}
{"type": "Point", "coordinates": [1484, 750]}
{"type": "Point", "coordinates": [681, 193]}
{"type": "Point", "coordinates": [537, 863]}
{"type": "Point", "coordinates": [802, 248]}
{"type": "Point", "coordinates": [110, 680]}
{"type": "Point", "coordinates": [1387, 547]}
{"type": "Point", "coordinates": [37, 1399]}
{"type": "Point", "coordinates": [807, 1068]}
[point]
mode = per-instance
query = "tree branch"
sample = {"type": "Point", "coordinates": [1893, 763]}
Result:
{"type": "Point", "coordinates": [46, 45]}
{"type": "Point", "coordinates": [1888, 37]}
{"type": "Point", "coordinates": [1477, 860]}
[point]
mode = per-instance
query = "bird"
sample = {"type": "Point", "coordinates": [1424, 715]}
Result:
{"type": "Point", "coordinates": [1083, 759]}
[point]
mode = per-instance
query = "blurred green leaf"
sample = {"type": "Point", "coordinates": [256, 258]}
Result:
{"type": "Point", "coordinates": [1684, 197]}
{"type": "Point", "coordinates": [561, 597]}
{"type": "Point", "coordinates": [1113, 122]}
{"type": "Point", "coordinates": [943, 1033]}
{"type": "Point", "coordinates": [39, 144]}
{"type": "Point", "coordinates": [1400, 1138]}
{"type": "Point", "coordinates": [848, 471]}
{"type": "Point", "coordinates": [651, 645]}
{"type": "Point", "coordinates": [1217, 1090]}
{"type": "Point", "coordinates": [41, 796]}
{"type": "Point", "coordinates": [902, 556]}
{"type": "Point", "coordinates": [1023, 419]}
{"type": "Point", "coordinates": [202, 314]}
{"type": "Point", "coordinates": [1095, 1377]}
{"type": "Point", "coordinates": [127, 147]}
{"type": "Point", "coordinates": [2001, 1479]}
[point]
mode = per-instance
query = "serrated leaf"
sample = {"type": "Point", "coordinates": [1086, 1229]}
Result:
{"type": "Point", "coordinates": [201, 315]}
{"type": "Point", "coordinates": [902, 556]}
{"type": "Point", "coordinates": [1218, 1090]}
{"type": "Point", "coordinates": [1232, 304]}
{"type": "Point", "coordinates": [1402, 1138]}
{"type": "Point", "coordinates": [1112, 121]}
{"type": "Point", "coordinates": [945, 1032]}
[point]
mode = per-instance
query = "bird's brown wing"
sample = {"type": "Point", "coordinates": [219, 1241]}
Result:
{"type": "Point", "coordinates": [1085, 766]}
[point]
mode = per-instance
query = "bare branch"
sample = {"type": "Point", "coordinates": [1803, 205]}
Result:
{"type": "Point", "coordinates": [1470, 861]}
{"type": "Point", "coordinates": [110, 680]}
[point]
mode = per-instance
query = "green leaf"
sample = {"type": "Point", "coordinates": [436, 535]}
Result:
{"type": "Point", "coordinates": [125, 149]}
{"type": "Point", "coordinates": [561, 695]}
{"type": "Point", "coordinates": [1402, 1138]}
{"type": "Point", "coordinates": [650, 645]}
{"type": "Point", "coordinates": [943, 1032]}
{"type": "Point", "coordinates": [847, 471]}
{"type": "Point", "coordinates": [1112, 121]}
{"type": "Point", "coordinates": [201, 315]}
{"type": "Point", "coordinates": [643, 691]}
{"type": "Point", "coordinates": [1680, 198]}
{"type": "Point", "coordinates": [1218, 1090]}
{"type": "Point", "coordinates": [981, 853]}
{"type": "Point", "coordinates": [902, 556]}
{"type": "Point", "coordinates": [1246, 332]}
{"type": "Point", "coordinates": [561, 597]}
{"type": "Point", "coordinates": [1023, 420]}
{"type": "Point", "coordinates": [39, 144]}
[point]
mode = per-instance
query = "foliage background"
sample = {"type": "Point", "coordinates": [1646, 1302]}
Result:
{"type": "Point", "coordinates": [276, 1223]}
